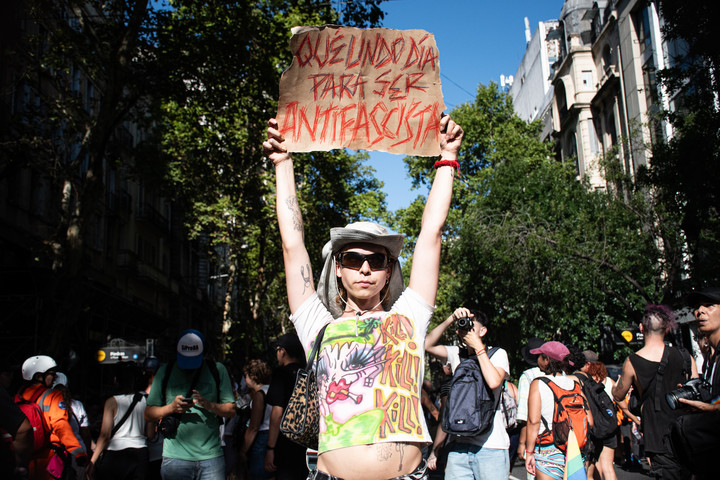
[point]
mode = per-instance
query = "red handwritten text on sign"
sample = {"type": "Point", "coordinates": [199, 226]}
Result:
{"type": "Point", "coordinates": [375, 89]}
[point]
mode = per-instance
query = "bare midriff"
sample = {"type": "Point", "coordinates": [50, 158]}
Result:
{"type": "Point", "coordinates": [379, 461]}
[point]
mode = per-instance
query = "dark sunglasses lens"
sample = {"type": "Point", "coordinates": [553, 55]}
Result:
{"type": "Point", "coordinates": [377, 261]}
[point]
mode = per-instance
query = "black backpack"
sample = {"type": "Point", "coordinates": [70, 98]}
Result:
{"type": "Point", "coordinates": [604, 410]}
{"type": "Point", "coordinates": [471, 405]}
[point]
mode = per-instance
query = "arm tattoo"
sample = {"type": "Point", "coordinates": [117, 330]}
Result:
{"type": "Point", "coordinates": [384, 452]}
{"type": "Point", "coordinates": [619, 384]}
{"type": "Point", "coordinates": [294, 207]}
{"type": "Point", "coordinates": [400, 447]}
{"type": "Point", "coordinates": [306, 275]}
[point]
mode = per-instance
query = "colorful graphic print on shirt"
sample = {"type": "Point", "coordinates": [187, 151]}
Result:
{"type": "Point", "coordinates": [368, 376]}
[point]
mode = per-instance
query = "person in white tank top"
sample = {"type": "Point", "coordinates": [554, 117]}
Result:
{"type": "Point", "coordinates": [123, 454]}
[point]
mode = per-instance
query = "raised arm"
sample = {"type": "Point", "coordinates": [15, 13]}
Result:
{"type": "Point", "coordinates": [426, 268]}
{"type": "Point", "coordinates": [432, 338]}
{"type": "Point", "coordinates": [298, 275]}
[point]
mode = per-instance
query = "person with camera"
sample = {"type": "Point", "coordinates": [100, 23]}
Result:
{"type": "Point", "coordinates": [485, 455]}
{"type": "Point", "coordinates": [189, 395]}
{"type": "Point", "coordinates": [695, 438]}
{"type": "Point", "coordinates": [654, 371]}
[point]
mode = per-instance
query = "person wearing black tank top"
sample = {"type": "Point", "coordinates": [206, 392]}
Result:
{"type": "Point", "coordinates": [653, 371]}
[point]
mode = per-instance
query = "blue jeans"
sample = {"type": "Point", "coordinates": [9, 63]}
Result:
{"type": "Point", "coordinates": [176, 469]}
{"type": "Point", "coordinates": [472, 462]}
{"type": "Point", "coordinates": [256, 457]}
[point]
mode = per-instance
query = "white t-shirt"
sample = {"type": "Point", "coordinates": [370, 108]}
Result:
{"type": "Point", "coordinates": [369, 372]}
{"type": "Point", "coordinates": [496, 437]}
{"type": "Point", "coordinates": [265, 425]}
{"type": "Point", "coordinates": [524, 390]}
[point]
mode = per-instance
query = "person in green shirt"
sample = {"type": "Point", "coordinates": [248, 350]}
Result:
{"type": "Point", "coordinates": [196, 392]}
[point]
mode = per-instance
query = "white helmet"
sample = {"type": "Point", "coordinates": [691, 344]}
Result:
{"type": "Point", "coordinates": [37, 364]}
{"type": "Point", "coordinates": [60, 380]}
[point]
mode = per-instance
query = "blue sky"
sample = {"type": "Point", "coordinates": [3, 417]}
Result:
{"type": "Point", "coordinates": [478, 41]}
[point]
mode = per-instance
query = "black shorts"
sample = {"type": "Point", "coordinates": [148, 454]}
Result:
{"type": "Point", "coordinates": [599, 443]}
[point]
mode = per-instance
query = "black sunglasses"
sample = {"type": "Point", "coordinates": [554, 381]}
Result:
{"type": "Point", "coordinates": [355, 261]}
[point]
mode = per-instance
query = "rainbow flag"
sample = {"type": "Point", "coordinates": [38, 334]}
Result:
{"type": "Point", "coordinates": [574, 466]}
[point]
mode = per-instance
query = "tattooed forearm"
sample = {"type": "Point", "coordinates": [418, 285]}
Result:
{"type": "Point", "coordinates": [306, 275]}
{"type": "Point", "coordinates": [294, 207]}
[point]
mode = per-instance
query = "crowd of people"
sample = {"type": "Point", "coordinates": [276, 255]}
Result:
{"type": "Point", "coordinates": [378, 416]}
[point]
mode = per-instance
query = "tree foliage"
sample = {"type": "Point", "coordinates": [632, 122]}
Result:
{"type": "Point", "coordinates": [683, 170]}
{"type": "Point", "coordinates": [224, 61]}
{"type": "Point", "coordinates": [529, 243]}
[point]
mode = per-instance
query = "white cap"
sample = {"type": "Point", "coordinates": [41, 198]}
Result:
{"type": "Point", "coordinates": [190, 349]}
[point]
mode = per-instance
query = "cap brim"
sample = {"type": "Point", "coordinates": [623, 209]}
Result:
{"type": "Point", "coordinates": [696, 298]}
{"type": "Point", "coordinates": [189, 363]}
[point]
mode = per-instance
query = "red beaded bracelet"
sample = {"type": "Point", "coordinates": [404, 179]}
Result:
{"type": "Point", "coordinates": [447, 163]}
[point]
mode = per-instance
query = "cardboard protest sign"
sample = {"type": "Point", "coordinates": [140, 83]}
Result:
{"type": "Point", "coordinates": [372, 89]}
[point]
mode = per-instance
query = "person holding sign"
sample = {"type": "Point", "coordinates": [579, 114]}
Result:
{"type": "Point", "coordinates": [370, 366]}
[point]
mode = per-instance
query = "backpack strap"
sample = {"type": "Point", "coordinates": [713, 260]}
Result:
{"type": "Point", "coordinates": [490, 353]}
{"type": "Point", "coordinates": [216, 376]}
{"type": "Point", "coordinates": [165, 380]}
{"type": "Point", "coordinates": [548, 431]}
{"type": "Point", "coordinates": [659, 387]}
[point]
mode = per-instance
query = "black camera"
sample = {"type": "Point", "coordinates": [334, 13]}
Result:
{"type": "Point", "coordinates": [464, 323]}
{"type": "Point", "coordinates": [168, 426]}
{"type": "Point", "coordinates": [693, 389]}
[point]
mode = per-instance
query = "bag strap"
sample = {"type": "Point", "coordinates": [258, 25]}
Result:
{"type": "Point", "coordinates": [165, 380]}
{"type": "Point", "coordinates": [216, 375]}
{"type": "Point", "coordinates": [659, 388]}
{"type": "Point", "coordinates": [136, 399]}
{"type": "Point", "coordinates": [547, 382]}
{"type": "Point", "coordinates": [316, 348]}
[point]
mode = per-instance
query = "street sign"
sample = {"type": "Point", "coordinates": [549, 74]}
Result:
{"type": "Point", "coordinates": [630, 336]}
{"type": "Point", "coordinates": [116, 354]}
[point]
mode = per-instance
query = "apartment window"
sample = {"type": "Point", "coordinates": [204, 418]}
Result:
{"type": "Point", "coordinates": [650, 83]}
{"type": "Point", "coordinates": [642, 28]}
{"type": "Point", "coordinates": [75, 87]}
{"type": "Point", "coordinates": [587, 79]}
{"type": "Point", "coordinates": [89, 97]}
{"type": "Point", "coordinates": [592, 136]}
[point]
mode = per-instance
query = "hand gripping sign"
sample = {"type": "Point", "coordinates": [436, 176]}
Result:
{"type": "Point", "coordinates": [372, 89]}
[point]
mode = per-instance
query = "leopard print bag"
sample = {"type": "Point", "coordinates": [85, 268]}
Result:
{"type": "Point", "coordinates": [301, 418]}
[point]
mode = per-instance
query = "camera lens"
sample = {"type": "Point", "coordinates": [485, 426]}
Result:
{"type": "Point", "coordinates": [464, 323]}
{"type": "Point", "coordinates": [673, 398]}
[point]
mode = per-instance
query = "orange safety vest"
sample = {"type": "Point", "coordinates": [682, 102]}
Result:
{"type": "Point", "coordinates": [57, 415]}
